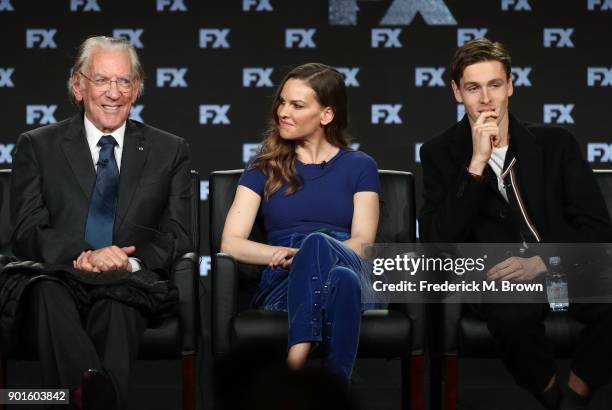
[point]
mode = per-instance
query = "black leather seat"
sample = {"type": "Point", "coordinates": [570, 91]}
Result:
{"type": "Point", "coordinates": [397, 332]}
{"type": "Point", "coordinates": [465, 335]}
{"type": "Point", "coordinates": [173, 337]}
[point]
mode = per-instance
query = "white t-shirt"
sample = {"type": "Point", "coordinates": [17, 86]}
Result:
{"type": "Point", "coordinates": [496, 162]}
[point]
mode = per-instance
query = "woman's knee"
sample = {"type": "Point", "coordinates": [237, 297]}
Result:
{"type": "Point", "coordinates": [345, 277]}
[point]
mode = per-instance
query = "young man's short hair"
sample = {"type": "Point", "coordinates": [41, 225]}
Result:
{"type": "Point", "coordinates": [477, 51]}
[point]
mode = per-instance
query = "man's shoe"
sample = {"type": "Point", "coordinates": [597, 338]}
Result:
{"type": "Point", "coordinates": [551, 398]}
{"type": "Point", "coordinates": [98, 391]}
{"type": "Point", "coordinates": [573, 401]}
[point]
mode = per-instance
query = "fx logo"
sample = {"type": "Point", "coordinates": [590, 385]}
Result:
{"type": "Point", "coordinates": [6, 153]}
{"type": "Point", "coordinates": [388, 37]}
{"type": "Point", "coordinates": [302, 37]}
{"type": "Point", "coordinates": [132, 35]}
{"type": "Point", "coordinates": [560, 113]}
{"type": "Point", "coordinates": [520, 76]}
{"type": "Point", "coordinates": [350, 75]}
{"type": "Point", "coordinates": [389, 113]}
{"type": "Point", "coordinates": [516, 5]}
{"type": "Point", "coordinates": [460, 112]}
{"type": "Point", "coordinates": [249, 151]}
{"type": "Point", "coordinates": [214, 114]}
{"type": "Point", "coordinates": [204, 265]}
{"type": "Point", "coordinates": [40, 114]}
{"type": "Point", "coordinates": [399, 13]}
{"type": "Point", "coordinates": [601, 76]}
{"type": "Point", "coordinates": [260, 77]}
{"type": "Point", "coordinates": [466, 34]}
{"type": "Point", "coordinates": [429, 76]}
{"type": "Point", "coordinates": [175, 5]}
{"type": "Point", "coordinates": [257, 5]}
{"type": "Point", "coordinates": [559, 37]}
{"type": "Point", "coordinates": [84, 5]}
{"type": "Point", "coordinates": [5, 5]}
{"type": "Point", "coordinates": [417, 152]}
{"type": "Point", "coordinates": [5, 77]}
{"type": "Point", "coordinates": [216, 38]}
{"type": "Point", "coordinates": [599, 152]}
{"type": "Point", "coordinates": [603, 4]}
{"type": "Point", "coordinates": [41, 37]}
{"type": "Point", "coordinates": [136, 112]}
{"type": "Point", "coordinates": [174, 77]}
{"type": "Point", "coordinates": [203, 189]}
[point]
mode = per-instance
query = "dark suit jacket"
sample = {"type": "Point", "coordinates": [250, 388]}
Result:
{"type": "Point", "coordinates": [557, 186]}
{"type": "Point", "coordinates": [53, 178]}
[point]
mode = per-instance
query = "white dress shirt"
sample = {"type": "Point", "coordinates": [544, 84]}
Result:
{"type": "Point", "coordinates": [498, 157]}
{"type": "Point", "coordinates": [93, 135]}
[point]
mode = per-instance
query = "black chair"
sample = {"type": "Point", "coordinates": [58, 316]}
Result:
{"type": "Point", "coordinates": [172, 337]}
{"type": "Point", "coordinates": [397, 332]}
{"type": "Point", "coordinates": [463, 335]}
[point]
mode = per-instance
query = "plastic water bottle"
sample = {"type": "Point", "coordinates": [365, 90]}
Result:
{"type": "Point", "coordinates": [556, 285]}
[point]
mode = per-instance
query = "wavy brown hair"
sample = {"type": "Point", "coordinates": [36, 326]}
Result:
{"type": "Point", "coordinates": [276, 158]}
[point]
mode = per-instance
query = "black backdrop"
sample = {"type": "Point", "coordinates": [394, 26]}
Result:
{"type": "Point", "coordinates": [211, 67]}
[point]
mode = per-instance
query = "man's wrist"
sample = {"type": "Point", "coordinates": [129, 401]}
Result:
{"type": "Point", "coordinates": [476, 167]}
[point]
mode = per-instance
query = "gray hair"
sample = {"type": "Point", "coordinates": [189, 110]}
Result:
{"type": "Point", "coordinates": [106, 43]}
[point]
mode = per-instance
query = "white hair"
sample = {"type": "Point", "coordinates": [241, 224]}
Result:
{"type": "Point", "coordinates": [105, 43]}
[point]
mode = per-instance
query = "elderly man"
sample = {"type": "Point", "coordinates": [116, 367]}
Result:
{"type": "Point", "coordinates": [493, 179]}
{"type": "Point", "coordinates": [102, 202]}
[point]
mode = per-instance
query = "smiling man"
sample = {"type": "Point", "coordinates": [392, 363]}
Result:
{"type": "Point", "coordinates": [102, 203]}
{"type": "Point", "coordinates": [493, 179]}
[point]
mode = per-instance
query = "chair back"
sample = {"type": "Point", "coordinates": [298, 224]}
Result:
{"type": "Point", "coordinates": [604, 180]}
{"type": "Point", "coordinates": [5, 212]}
{"type": "Point", "coordinates": [222, 190]}
{"type": "Point", "coordinates": [195, 210]}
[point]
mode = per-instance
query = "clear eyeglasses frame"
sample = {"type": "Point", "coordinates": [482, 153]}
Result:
{"type": "Point", "coordinates": [123, 84]}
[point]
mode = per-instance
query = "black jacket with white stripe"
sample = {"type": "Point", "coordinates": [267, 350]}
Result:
{"type": "Point", "coordinates": [553, 195]}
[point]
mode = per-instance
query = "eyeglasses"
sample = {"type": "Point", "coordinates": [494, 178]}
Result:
{"type": "Point", "coordinates": [123, 84]}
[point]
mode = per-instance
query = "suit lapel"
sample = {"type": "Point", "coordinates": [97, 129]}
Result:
{"type": "Point", "coordinates": [78, 155]}
{"type": "Point", "coordinates": [461, 150]}
{"type": "Point", "coordinates": [133, 159]}
{"type": "Point", "coordinates": [529, 170]}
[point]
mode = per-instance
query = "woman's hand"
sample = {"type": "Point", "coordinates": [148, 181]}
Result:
{"type": "Point", "coordinates": [282, 256]}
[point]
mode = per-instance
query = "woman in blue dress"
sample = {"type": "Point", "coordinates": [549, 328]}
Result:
{"type": "Point", "coordinates": [319, 201]}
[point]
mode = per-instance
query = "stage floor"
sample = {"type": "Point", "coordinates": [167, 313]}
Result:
{"type": "Point", "coordinates": [484, 385]}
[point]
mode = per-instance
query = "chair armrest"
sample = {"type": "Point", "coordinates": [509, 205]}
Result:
{"type": "Point", "coordinates": [449, 323]}
{"type": "Point", "coordinates": [224, 285]}
{"type": "Point", "coordinates": [418, 316]}
{"type": "Point", "coordinates": [185, 278]}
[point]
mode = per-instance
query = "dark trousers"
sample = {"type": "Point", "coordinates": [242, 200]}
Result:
{"type": "Point", "coordinates": [68, 344]}
{"type": "Point", "coordinates": [529, 356]}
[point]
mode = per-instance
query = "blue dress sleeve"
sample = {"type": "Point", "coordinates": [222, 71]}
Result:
{"type": "Point", "coordinates": [253, 179]}
{"type": "Point", "coordinates": [367, 174]}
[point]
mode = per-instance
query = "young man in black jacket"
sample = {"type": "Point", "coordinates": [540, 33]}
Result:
{"type": "Point", "coordinates": [492, 179]}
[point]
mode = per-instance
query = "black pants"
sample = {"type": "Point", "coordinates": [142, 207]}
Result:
{"type": "Point", "coordinates": [529, 356]}
{"type": "Point", "coordinates": [68, 344]}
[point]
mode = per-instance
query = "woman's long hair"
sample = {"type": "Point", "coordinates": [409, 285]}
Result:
{"type": "Point", "coordinates": [276, 158]}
